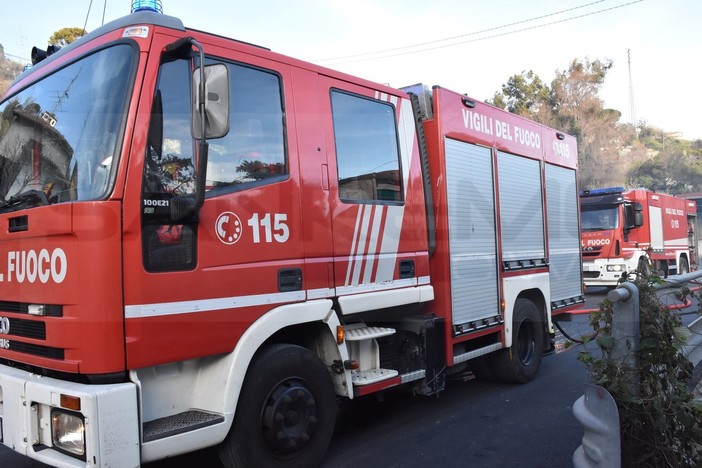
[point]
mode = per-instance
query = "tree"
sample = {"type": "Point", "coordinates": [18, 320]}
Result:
{"type": "Point", "coordinates": [65, 36]}
{"type": "Point", "coordinates": [575, 91]}
{"type": "Point", "coordinates": [9, 70]}
{"type": "Point", "coordinates": [580, 111]}
{"type": "Point", "coordinates": [524, 94]}
{"type": "Point", "coordinates": [675, 168]}
{"type": "Point", "coordinates": [572, 104]}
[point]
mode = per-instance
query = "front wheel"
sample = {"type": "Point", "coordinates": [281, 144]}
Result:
{"type": "Point", "coordinates": [521, 362]}
{"type": "Point", "coordinates": [286, 411]}
{"type": "Point", "coordinates": [644, 267]}
{"type": "Point", "coordinates": [683, 267]}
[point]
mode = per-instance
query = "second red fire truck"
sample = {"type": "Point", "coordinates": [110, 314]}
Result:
{"type": "Point", "coordinates": [628, 231]}
{"type": "Point", "coordinates": [203, 242]}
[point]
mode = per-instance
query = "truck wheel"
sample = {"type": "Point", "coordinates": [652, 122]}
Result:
{"type": "Point", "coordinates": [521, 362]}
{"type": "Point", "coordinates": [483, 368]}
{"type": "Point", "coordinates": [286, 411]}
{"type": "Point", "coordinates": [644, 267]}
{"type": "Point", "coordinates": [683, 267]}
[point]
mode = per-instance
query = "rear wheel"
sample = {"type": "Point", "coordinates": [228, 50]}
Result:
{"type": "Point", "coordinates": [286, 412]}
{"type": "Point", "coordinates": [521, 362]}
{"type": "Point", "coordinates": [483, 368]}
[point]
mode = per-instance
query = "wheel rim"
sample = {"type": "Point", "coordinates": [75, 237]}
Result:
{"type": "Point", "coordinates": [289, 418]}
{"type": "Point", "coordinates": [525, 342]}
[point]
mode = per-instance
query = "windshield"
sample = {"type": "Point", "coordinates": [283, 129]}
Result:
{"type": "Point", "coordinates": [599, 217]}
{"type": "Point", "coordinates": [59, 137]}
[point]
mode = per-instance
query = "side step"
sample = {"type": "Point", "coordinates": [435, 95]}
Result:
{"type": "Point", "coordinates": [371, 376]}
{"type": "Point", "coordinates": [179, 423]}
{"type": "Point", "coordinates": [367, 333]}
{"type": "Point", "coordinates": [364, 349]}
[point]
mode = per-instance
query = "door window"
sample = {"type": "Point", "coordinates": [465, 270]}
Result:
{"type": "Point", "coordinates": [251, 154]}
{"type": "Point", "coordinates": [368, 159]}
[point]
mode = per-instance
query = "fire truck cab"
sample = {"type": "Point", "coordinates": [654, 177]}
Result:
{"type": "Point", "coordinates": [629, 231]}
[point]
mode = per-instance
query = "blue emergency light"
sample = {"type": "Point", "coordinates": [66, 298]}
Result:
{"type": "Point", "coordinates": [602, 191]}
{"type": "Point", "coordinates": [147, 5]}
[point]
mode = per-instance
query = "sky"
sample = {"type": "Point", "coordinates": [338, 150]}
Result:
{"type": "Point", "coordinates": [469, 46]}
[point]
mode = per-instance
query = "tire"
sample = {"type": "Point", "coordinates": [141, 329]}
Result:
{"type": "Point", "coordinates": [644, 268]}
{"type": "Point", "coordinates": [520, 363]}
{"type": "Point", "coordinates": [483, 368]}
{"type": "Point", "coordinates": [683, 267]}
{"type": "Point", "coordinates": [286, 411]}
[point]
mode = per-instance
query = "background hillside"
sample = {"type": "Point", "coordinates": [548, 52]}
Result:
{"type": "Point", "coordinates": [611, 152]}
{"type": "Point", "coordinates": [9, 69]}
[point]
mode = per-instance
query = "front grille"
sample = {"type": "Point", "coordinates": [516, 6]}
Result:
{"type": "Point", "coordinates": [36, 350]}
{"type": "Point", "coordinates": [50, 310]}
{"type": "Point", "coordinates": [27, 328]}
{"type": "Point", "coordinates": [591, 274]}
{"type": "Point", "coordinates": [16, 327]}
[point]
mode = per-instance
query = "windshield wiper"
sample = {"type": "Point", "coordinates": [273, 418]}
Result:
{"type": "Point", "coordinates": [30, 198]}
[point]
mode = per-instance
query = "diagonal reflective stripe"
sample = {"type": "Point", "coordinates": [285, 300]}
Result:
{"type": "Point", "coordinates": [354, 246]}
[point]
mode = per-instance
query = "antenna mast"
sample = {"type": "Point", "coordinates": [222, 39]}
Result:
{"type": "Point", "coordinates": [632, 107]}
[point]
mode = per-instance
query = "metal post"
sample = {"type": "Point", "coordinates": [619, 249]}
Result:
{"type": "Point", "coordinates": [597, 411]}
{"type": "Point", "coordinates": [625, 331]}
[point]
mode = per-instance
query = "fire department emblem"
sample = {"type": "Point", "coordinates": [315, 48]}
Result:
{"type": "Point", "coordinates": [228, 228]}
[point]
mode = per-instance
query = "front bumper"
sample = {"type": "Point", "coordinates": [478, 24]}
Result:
{"type": "Point", "coordinates": [595, 272]}
{"type": "Point", "coordinates": [109, 412]}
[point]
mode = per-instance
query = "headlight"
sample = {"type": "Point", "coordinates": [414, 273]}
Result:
{"type": "Point", "coordinates": [616, 267]}
{"type": "Point", "coordinates": [68, 432]}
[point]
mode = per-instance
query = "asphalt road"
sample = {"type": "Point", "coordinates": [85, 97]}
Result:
{"type": "Point", "coordinates": [470, 424]}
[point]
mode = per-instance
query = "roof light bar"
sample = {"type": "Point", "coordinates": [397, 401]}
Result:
{"type": "Point", "coordinates": [602, 191]}
{"type": "Point", "coordinates": [147, 5]}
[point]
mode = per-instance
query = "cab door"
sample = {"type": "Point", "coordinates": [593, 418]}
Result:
{"type": "Point", "coordinates": [202, 282]}
{"type": "Point", "coordinates": [376, 220]}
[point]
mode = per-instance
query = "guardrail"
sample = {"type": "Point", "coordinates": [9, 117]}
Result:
{"type": "Point", "coordinates": [693, 349]}
{"type": "Point", "coordinates": [596, 409]}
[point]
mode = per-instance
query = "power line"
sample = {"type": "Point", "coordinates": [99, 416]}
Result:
{"type": "Point", "coordinates": [85, 24]}
{"type": "Point", "coordinates": [17, 57]}
{"type": "Point", "coordinates": [362, 57]}
{"type": "Point", "coordinates": [461, 35]}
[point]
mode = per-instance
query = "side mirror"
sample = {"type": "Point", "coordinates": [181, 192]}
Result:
{"type": "Point", "coordinates": [216, 102]}
{"type": "Point", "coordinates": [638, 215]}
{"type": "Point", "coordinates": [638, 219]}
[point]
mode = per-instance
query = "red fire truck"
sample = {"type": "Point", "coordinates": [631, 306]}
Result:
{"type": "Point", "coordinates": [625, 231]}
{"type": "Point", "coordinates": [207, 243]}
